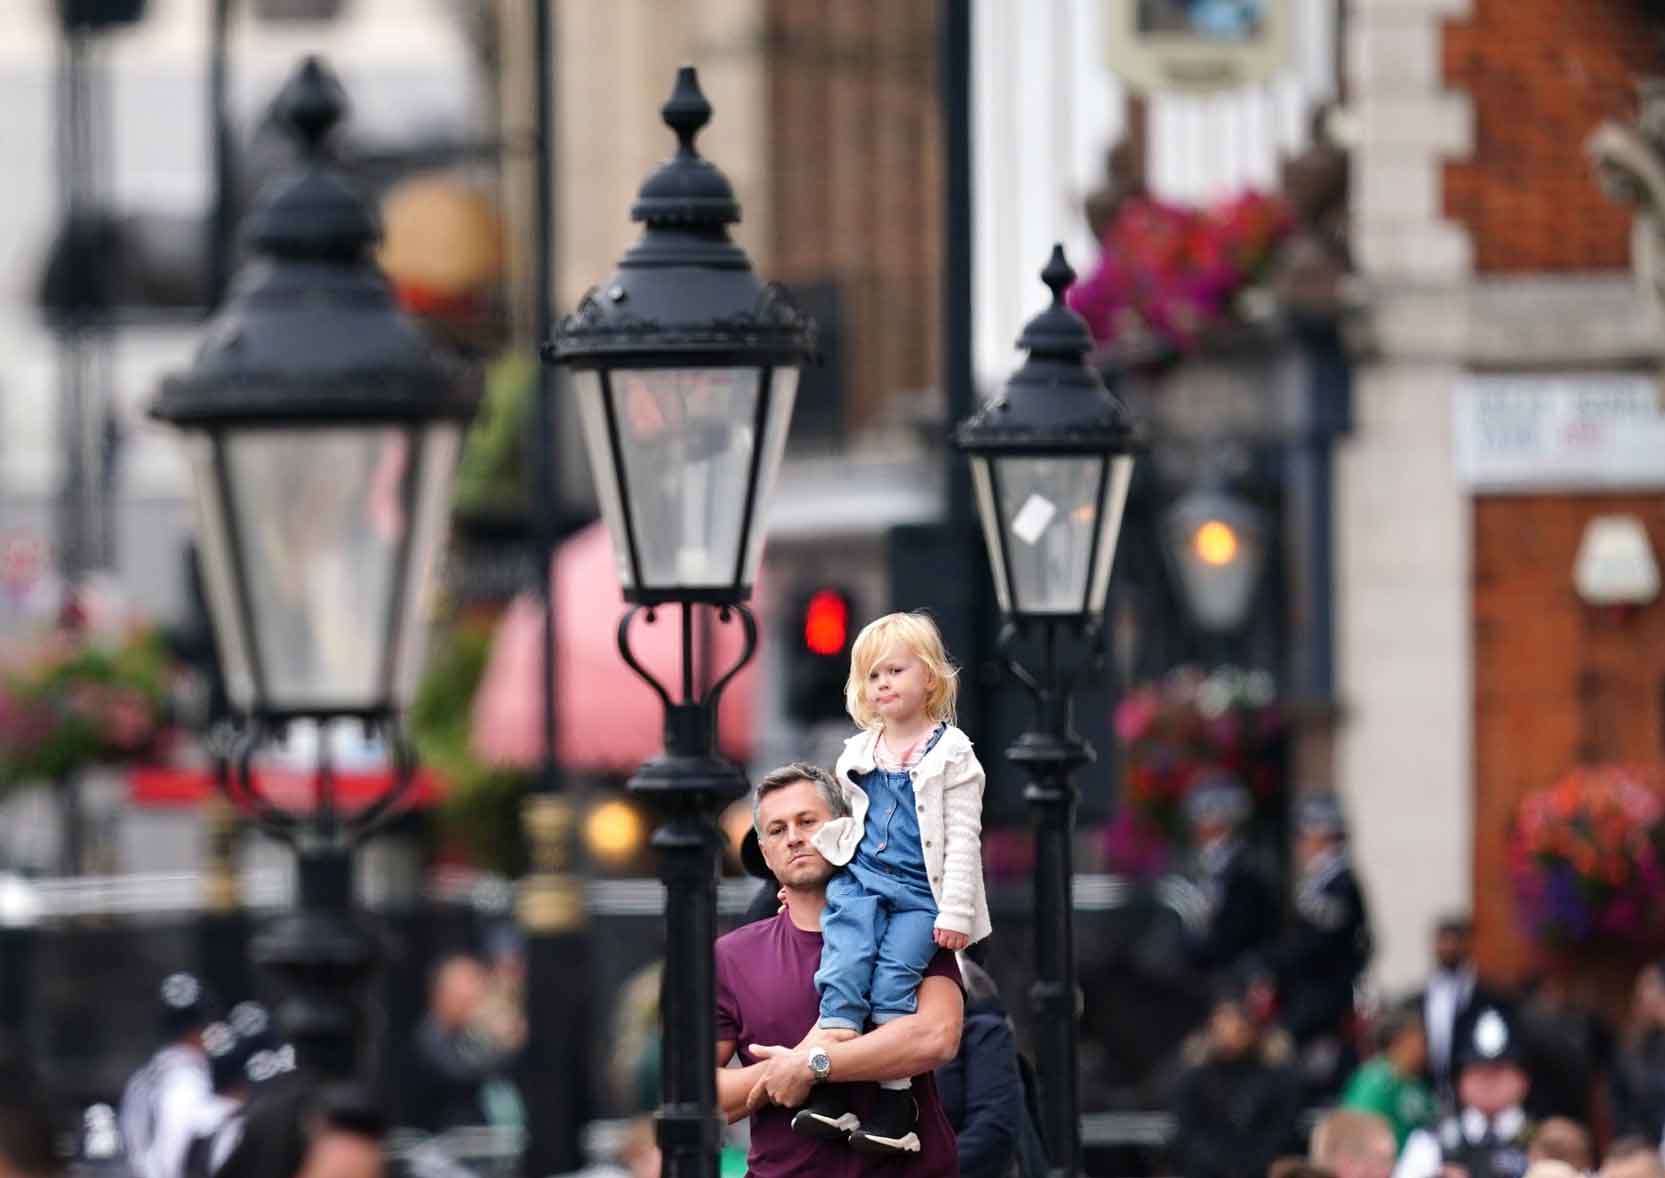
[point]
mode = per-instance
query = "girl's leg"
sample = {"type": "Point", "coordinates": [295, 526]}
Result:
{"type": "Point", "coordinates": [905, 949]}
{"type": "Point", "coordinates": [851, 926]}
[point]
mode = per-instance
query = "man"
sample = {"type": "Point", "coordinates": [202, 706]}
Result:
{"type": "Point", "coordinates": [1318, 960]}
{"type": "Point", "coordinates": [244, 1054]}
{"type": "Point", "coordinates": [1451, 996]}
{"type": "Point", "coordinates": [1350, 1143]}
{"type": "Point", "coordinates": [161, 1103]}
{"type": "Point", "coordinates": [1488, 1135]}
{"type": "Point", "coordinates": [455, 1077]}
{"type": "Point", "coordinates": [1235, 1108]}
{"type": "Point", "coordinates": [1242, 903]}
{"type": "Point", "coordinates": [766, 999]}
{"type": "Point", "coordinates": [296, 1130]}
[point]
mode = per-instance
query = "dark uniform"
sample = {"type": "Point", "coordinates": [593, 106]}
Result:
{"type": "Point", "coordinates": [1241, 914]}
{"type": "Point", "coordinates": [1240, 905]}
{"type": "Point", "coordinates": [1328, 943]}
{"type": "Point", "coordinates": [1485, 1145]}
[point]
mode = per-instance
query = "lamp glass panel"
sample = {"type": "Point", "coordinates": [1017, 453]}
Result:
{"type": "Point", "coordinates": [219, 577]}
{"type": "Point", "coordinates": [592, 414]}
{"type": "Point", "coordinates": [777, 425]}
{"type": "Point", "coordinates": [685, 438]}
{"type": "Point", "coordinates": [1049, 509]}
{"type": "Point", "coordinates": [430, 497]}
{"type": "Point", "coordinates": [1109, 527]}
{"type": "Point", "coordinates": [321, 517]}
{"type": "Point", "coordinates": [993, 531]}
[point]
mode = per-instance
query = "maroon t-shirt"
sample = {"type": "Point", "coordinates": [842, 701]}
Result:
{"type": "Point", "coordinates": [766, 995]}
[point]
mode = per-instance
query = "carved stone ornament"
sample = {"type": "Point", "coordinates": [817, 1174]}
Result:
{"type": "Point", "coordinates": [1629, 162]}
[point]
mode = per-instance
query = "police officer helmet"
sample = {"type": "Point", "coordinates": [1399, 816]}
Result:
{"type": "Point", "coordinates": [1321, 813]}
{"type": "Point", "coordinates": [1217, 798]}
{"type": "Point", "coordinates": [186, 1004]}
{"type": "Point", "coordinates": [1490, 1038]}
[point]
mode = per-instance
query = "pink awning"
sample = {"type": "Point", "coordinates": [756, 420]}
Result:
{"type": "Point", "coordinates": [607, 720]}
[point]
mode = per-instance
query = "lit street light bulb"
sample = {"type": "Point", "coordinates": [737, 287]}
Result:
{"type": "Point", "coordinates": [1216, 543]}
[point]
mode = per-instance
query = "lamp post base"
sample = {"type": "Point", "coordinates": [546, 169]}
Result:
{"type": "Point", "coordinates": [1050, 758]}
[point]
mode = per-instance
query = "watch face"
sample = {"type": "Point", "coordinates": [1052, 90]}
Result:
{"type": "Point", "coordinates": [819, 1062]}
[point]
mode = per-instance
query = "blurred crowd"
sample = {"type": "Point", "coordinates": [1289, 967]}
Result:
{"type": "Point", "coordinates": [1294, 1073]}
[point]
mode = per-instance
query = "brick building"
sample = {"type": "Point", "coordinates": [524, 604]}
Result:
{"type": "Point", "coordinates": [1515, 354]}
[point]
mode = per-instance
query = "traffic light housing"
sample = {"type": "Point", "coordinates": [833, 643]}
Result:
{"type": "Point", "coordinates": [823, 626]}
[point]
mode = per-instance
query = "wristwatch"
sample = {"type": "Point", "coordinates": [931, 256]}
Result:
{"type": "Point", "coordinates": [820, 1063]}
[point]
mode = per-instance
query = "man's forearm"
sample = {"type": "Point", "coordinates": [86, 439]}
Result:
{"type": "Point", "coordinates": [899, 1050]}
{"type": "Point", "coordinates": [733, 1086]}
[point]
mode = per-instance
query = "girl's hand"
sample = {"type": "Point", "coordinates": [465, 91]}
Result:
{"type": "Point", "coordinates": [949, 939]}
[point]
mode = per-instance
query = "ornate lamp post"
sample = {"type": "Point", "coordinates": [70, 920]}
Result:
{"type": "Point", "coordinates": [685, 367]}
{"type": "Point", "coordinates": [1051, 460]}
{"type": "Point", "coordinates": [322, 433]}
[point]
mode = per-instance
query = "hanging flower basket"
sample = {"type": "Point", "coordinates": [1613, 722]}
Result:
{"type": "Point", "coordinates": [74, 699]}
{"type": "Point", "coordinates": [1175, 732]}
{"type": "Point", "coordinates": [1587, 858]}
{"type": "Point", "coordinates": [1169, 274]}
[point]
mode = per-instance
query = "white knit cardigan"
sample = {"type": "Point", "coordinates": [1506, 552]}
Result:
{"type": "Point", "coordinates": [948, 796]}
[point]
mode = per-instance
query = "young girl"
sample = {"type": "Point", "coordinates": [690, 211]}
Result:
{"type": "Point", "coordinates": [911, 851]}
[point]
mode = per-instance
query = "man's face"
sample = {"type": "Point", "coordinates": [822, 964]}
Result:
{"type": "Point", "coordinates": [1492, 1087]}
{"type": "Point", "coordinates": [339, 1154]}
{"type": "Point", "coordinates": [1410, 1049]}
{"type": "Point", "coordinates": [1311, 844]}
{"type": "Point", "coordinates": [1451, 948]}
{"type": "Point", "coordinates": [1230, 1030]}
{"type": "Point", "coordinates": [786, 819]}
{"type": "Point", "coordinates": [458, 992]}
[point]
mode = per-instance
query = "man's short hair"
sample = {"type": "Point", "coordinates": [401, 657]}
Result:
{"type": "Point", "coordinates": [1455, 923]}
{"type": "Point", "coordinates": [792, 774]}
{"type": "Point", "coordinates": [1347, 1133]}
{"type": "Point", "coordinates": [1562, 1139]}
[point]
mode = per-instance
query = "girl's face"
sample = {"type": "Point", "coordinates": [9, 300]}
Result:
{"type": "Point", "coordinates": [897, 685]}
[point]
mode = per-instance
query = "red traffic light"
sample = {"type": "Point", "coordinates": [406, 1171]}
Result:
{"type": "Point", "coordinates": [826, 622]}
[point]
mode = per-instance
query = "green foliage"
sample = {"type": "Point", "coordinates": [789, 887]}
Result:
{"type": "Point", "coordinates": [491, 474]}
{"type": "Point", "coordinates": [482, 803]}
{"type": "Point", "coordinates": [76, 699]}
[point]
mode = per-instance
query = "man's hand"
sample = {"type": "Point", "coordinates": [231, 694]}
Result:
{"type": "Point", "coordinates": [786, 1078]}
{"type": "Point", "coordinates": [949, 939]}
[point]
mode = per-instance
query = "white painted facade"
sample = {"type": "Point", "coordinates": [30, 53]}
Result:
{"type": "Point", "coordinates": [407, 70]}
{"type": "Point", "coordinates": [1048, 110]}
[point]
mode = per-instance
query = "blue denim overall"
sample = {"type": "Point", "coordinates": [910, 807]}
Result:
{"type": "Point", "coordinates": [876, 932]}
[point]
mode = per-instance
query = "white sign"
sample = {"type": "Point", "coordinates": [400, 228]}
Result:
{"type": "Point", "coordinates": [1569, 431]}
{"type": "Point", "coordinates": [1032, 518]}
{"type": "Point", "coordinates": [1195, 45]}
{"type": "Point", "coordinates": [1615, 564]}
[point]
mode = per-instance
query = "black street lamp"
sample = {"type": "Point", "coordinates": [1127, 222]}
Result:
{"type": "Point", "coordinates": [322, 432]}
{"type": "Point", "coordinates": [1051, 460]}
{"type": "Point", "coordinates": [1217, 545]}
{"type": "Point", "coordinates": [685, 367]}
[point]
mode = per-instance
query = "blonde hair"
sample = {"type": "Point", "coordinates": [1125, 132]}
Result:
{"type": "Point", "coordinates": [1347, 1133]}
{"type": "Point", "coordinates": [919, 634]}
